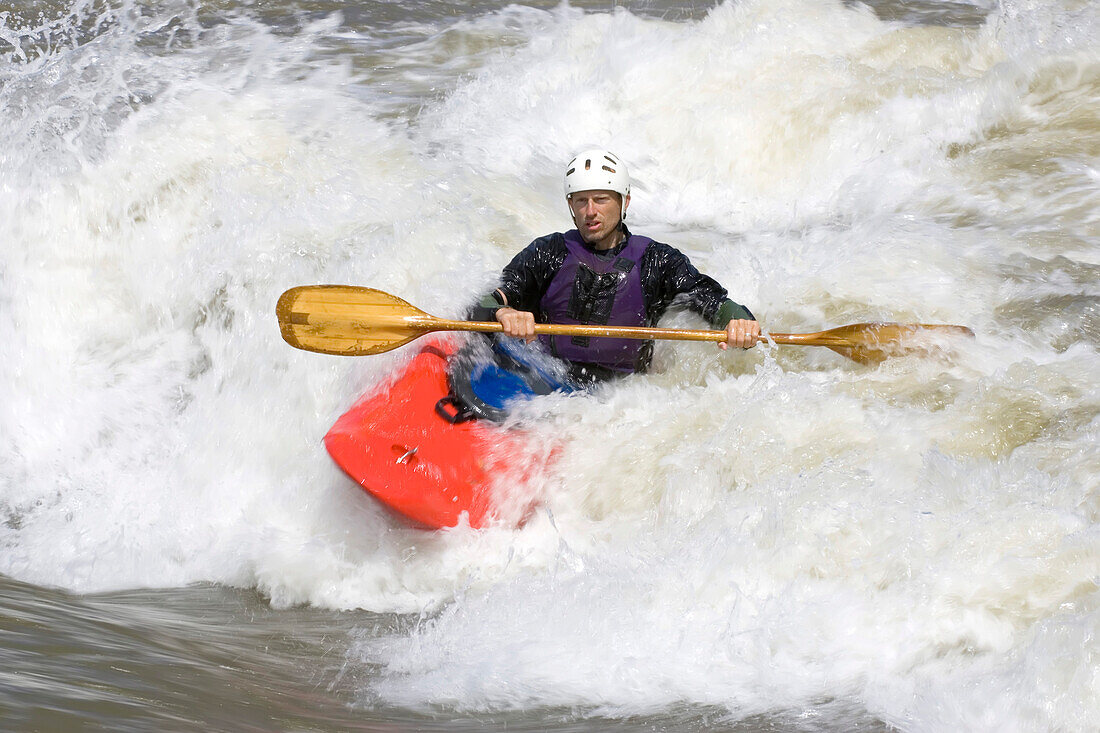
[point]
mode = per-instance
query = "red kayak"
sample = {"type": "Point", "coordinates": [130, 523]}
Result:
{"type": "Point", "coordinates": [426, 468]}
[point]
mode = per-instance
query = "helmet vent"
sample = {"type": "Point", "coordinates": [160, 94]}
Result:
{"type": "Point", "coordinates": [609, 169]}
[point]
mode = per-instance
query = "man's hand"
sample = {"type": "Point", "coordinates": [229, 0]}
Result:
{"type": "Point", "coordinates": [741, 333]}
{"type": "Point", "coordinates": [518, 324]}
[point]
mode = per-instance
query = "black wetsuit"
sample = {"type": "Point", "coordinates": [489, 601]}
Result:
{"type": "Point", "coordinates": [667, 275]}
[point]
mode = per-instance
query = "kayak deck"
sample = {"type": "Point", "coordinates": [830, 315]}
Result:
{"type": "Point", "coordinates": [394, 444]}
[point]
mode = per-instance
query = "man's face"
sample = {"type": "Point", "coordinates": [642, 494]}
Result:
{"type": "Point", "coordinates": [597, 215]}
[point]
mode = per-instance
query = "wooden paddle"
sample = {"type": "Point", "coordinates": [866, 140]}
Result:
{"type": "Point", "coordinates": [354, 321]}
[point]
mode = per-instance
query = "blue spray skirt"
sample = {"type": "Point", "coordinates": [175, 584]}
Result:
{"type": "Point", "coordinates": [486, 382]}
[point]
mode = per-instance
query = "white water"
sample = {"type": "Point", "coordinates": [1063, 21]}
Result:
{"type": "Point", "coordinates": [778, 530]}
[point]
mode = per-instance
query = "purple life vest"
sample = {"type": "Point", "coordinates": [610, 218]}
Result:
{"type": "Point", "coordinates": [589, 289]}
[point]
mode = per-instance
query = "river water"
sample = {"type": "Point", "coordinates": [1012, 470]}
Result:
{"type": "Point", "coordinates": [777, 540]}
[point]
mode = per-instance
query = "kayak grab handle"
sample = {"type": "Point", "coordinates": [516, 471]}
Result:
{"type": "Point", "coordinates": [453, 411]}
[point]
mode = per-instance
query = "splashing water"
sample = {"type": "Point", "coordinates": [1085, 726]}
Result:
{"type": "Point", "coordinates": [749, 533]}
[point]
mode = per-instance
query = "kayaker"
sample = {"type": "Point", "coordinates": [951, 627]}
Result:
{"type": "Point", "coordinates": [601, 273]}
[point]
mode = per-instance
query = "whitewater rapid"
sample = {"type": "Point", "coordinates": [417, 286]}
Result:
{"type": "Point", "coordinates": [775, 530]}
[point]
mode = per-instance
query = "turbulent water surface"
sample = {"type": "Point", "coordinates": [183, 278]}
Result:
{"type": "Point", "coordinates": [780, 539]}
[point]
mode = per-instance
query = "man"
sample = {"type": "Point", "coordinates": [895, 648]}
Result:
{"type": "Point", "coordinates": [601, 273]}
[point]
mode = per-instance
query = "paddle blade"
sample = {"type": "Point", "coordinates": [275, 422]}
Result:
{"type": "Point", "coordinates": [872, 343]}
{"type": "Point", "coordinates": [347, 320]}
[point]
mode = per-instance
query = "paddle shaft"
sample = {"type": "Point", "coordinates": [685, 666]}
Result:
{"type": "Point", "coordinates": [428, 324]}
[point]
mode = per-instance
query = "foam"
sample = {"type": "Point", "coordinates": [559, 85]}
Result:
{"type": "Point", "coordinates": [752, 531]}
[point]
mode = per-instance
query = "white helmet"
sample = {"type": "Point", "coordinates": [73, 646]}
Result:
{"type": "Point", "coordinates": [596, 170]}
